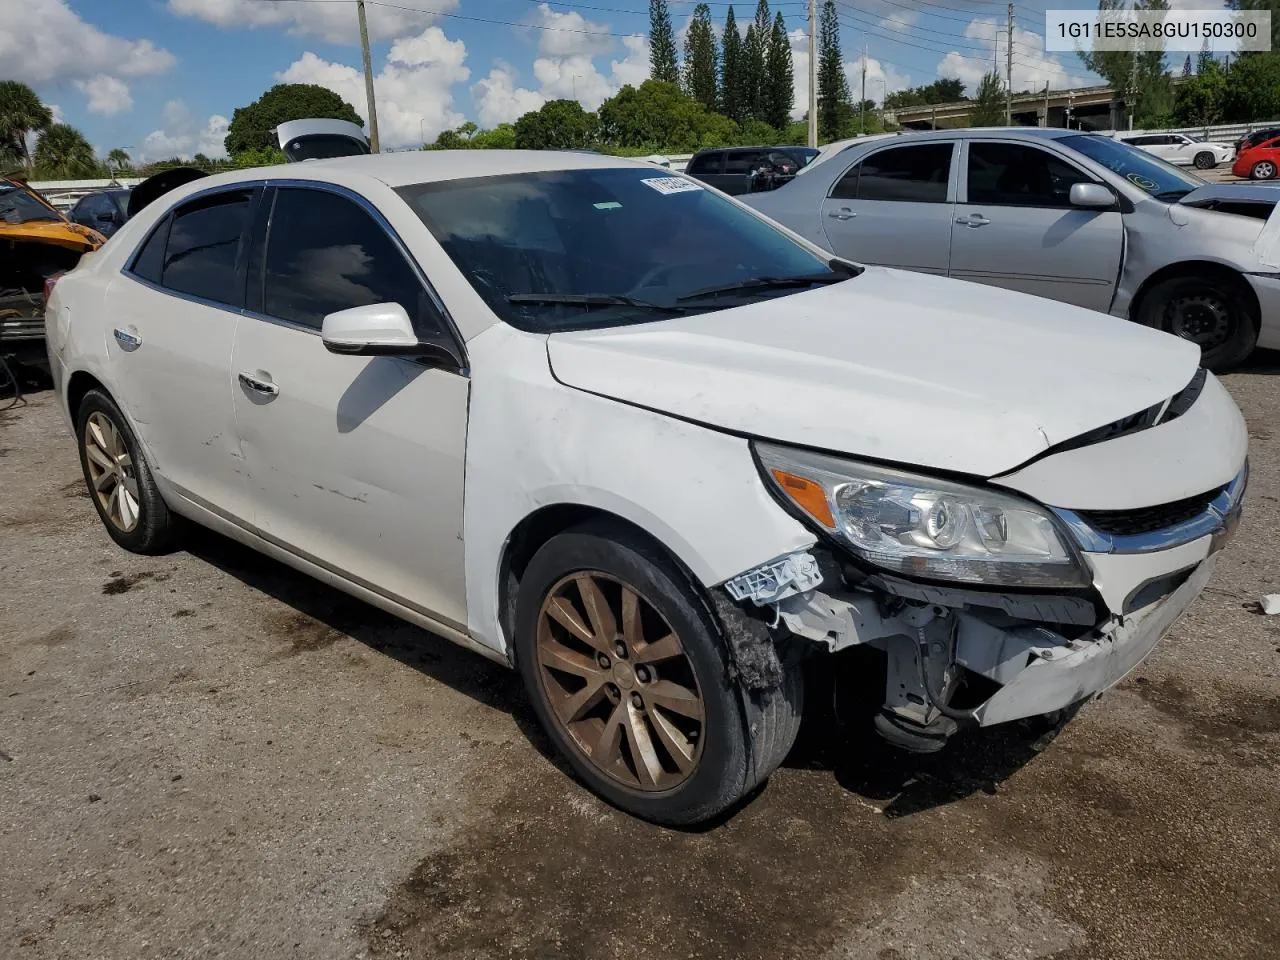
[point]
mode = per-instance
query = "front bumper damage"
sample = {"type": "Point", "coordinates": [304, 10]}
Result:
{"type": "Point", "coordinates": [959, 657]}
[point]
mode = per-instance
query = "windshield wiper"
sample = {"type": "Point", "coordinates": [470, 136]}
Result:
{"type": "Point", "coordinates": [592, 300]}
{"type": "Point", "coordinates": [767, 283]}
{"type": "Point", "coordinates": [1171, 196]}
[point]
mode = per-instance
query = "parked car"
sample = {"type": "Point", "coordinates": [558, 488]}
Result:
{"type": "Point", "coordinates": [604, 424]}
{"type": "Point", "coordinates": [1260, 161]}
{"type": "Point", "coordinates": [1180, 149]}
{"type": "Point", "coordinates": [105, 211]}
{"type": "Point", "coordinates": [320, 139]}
{"type": "Point", "coordinates": [737, 170]}
{"type": "Point", "coordinates": [1256, 137]}
{"type": "Point", "coordinates": [1081, 218]}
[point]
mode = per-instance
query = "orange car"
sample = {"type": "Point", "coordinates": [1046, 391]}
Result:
{"type": "Point", "coordinates": [36, 242]}
{"type": "Point", "coordinates": [1259, 162]}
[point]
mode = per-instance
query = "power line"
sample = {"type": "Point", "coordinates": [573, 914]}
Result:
{"type": "Point", "coordinates": [949, 37]}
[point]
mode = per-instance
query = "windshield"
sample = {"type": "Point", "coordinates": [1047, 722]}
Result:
{"type": "Point", "coordinates": [1162, 180]}
{"type": "Point", "coordinates": [17, 205]}
{"type": "Point", "coordinates": [573, 249]}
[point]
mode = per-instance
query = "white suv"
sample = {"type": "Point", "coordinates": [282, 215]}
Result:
{"type": "Point", "coordinates": [609, 426]}
{"type": "Point", "coordinates": [1180, 149]}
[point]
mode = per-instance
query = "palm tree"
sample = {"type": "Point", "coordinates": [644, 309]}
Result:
{"type": "Point", "coordinates": [63, 152]}
{"type": "Point", "coordinates": [119, 160]}
{"type": "Point", "coordinates": [21, 114]}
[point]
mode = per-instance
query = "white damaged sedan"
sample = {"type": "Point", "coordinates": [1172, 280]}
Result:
{"type": "Point", "coordinates": [620, 432]}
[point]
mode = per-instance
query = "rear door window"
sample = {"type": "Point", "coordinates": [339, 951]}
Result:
{"type": "Point", "coordinates": [204, 243]}
{"type": "Point", "coordinates": [741, 161]}
{"type": "Point", "coordinates": [706, 163]}
{"type": "Point", "coordinates": [918, 173]}
{"type": "Point", "coordinates": [1017, 175]}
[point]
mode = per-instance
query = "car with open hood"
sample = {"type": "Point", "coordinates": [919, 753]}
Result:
{"type": "Point", "coordinates": [1081, 218]}
{"type": "Point", "coordinates": [604, 424]}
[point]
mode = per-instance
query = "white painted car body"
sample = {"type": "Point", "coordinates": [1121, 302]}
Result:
{"type": "Point", "coordinates": [341, 474]}
{"type": "Point", "coordinates": [1180, 149]}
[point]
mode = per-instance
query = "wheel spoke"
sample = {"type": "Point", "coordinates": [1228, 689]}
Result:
{"type": "Point", "coordinates": [605, 750]}
{"type": "Point", "coordinates": [113, 437]}
{"type": "Point", "coordinates": [561, 611]}
{"type": "Point", "coordinates": [664, 649]}
{"type": "Point", "coordinates": [96, 434]}
{"type": "Point", "coordinates": [557, 657]}
{"type": "Point", "coordinates": [677, 744]}
{"type": "Point", "coordinates": [603, 625]}
{"type": "Point", "coordinates": [95, 453]}
{"type": "Point", "coordinates": [128, 508]}
{"type": "Point", "coordinates": [674, 697]}
{"type": "Point", "coordinates": [632, 627]}
{"type": "Point", "coordinates": [125, 461]}
{"type": "Point", "coordinates": [104, 480]}
{"type": "Point", "coordinates": [572, 707]}
{"type": "Point", "coordinates": [113, 504]}
{"type": "Point", "coordinates": [648, 766]}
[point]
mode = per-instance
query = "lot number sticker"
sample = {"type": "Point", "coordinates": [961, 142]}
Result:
{"type": "Point", "coordinates": [672, 184]}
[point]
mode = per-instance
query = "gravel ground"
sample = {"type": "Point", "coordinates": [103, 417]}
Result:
{"type": "Point", "coordinates": [208, 755]}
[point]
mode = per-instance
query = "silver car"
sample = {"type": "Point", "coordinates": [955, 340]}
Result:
{"type": "Point", "coordinates": [1075, 217]}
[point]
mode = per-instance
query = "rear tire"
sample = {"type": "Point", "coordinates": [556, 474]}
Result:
{"type": "Point", "coordinates": [1263, 170]}
{"type": "Point", "coordinates": [1205, 161]}
{"type": "Point", "coordinates": [1210, 311]}
{"type": "Point", "coordinates": [680, 770]}
{"type": "Point", "coordinates": [119, 478]}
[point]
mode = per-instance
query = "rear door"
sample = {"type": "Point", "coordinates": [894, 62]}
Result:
{"type": "Point", "coordinates": [894, 207]}
{"type": "Point", "coordinates": [738, 164]}
{"type": "Point", "coordinates": [1016, 227]}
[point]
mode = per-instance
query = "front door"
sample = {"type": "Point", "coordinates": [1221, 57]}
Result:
{"type": "Point", "coordinates": [177, 306]}
{"type": "Point", "coordinates": [1016, 227]}
{"type": "Point", "coordinates": [354, 463]}
{"type": "Point", "coordinates": [894, 208]}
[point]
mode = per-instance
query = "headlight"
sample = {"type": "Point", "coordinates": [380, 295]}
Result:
{"type": "Point", "coordinates": [924, 527]}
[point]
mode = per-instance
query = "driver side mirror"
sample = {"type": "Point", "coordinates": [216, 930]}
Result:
{"type": "Point", "coordinates": [1091, 195]}
{"type": "Point", "coordinates": [381, 330]}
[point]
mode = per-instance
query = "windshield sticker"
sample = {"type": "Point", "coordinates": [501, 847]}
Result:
{"type": "Point", "coordinates": [672, 184]}
{"type": "Point", "coordinates": [608, 205]}
{"type": "Point", "coordinates": [1143, 182]}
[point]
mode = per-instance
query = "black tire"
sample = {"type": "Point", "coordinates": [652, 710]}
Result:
{"type": "Point", "coordinates": [744, 735]}
{"type": "Point", "coordinates": [154, 529]}
{"type": "Point", "coordinates": [1263, 170]}
{"type": "Point", "coordinates": [1204, 160]}
{"type": "Point", "coordinates": [1222, 302]}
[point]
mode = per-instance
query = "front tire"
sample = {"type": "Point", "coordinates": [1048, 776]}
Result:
{"type": "Point", "coordinates": [1263, 170]}
{"type": "Point", "coordinates": [630, 676]}
{"type": "Point", "coordinates": [119, 478]}
{"type": "Point", "coordinates": [1210, 311]}
{"type": "Point", "coordinates": [1205, 161]}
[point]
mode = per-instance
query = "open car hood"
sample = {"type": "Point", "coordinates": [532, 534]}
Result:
{"type": "Point", "coordinates": [893, 366]}
{"type": "Point", "coordinates": [1247, 192]}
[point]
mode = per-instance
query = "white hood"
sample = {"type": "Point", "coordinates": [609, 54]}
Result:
{"type": "Point", "coordinates": [894, 366]}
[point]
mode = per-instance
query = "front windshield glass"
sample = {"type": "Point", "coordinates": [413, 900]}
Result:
{"type": "Point", "coordinates": [572, 249]}
{"type": "Point", "coordinates": [1162, 180]}
{"type": "Point", "coordinates": [17, 205]}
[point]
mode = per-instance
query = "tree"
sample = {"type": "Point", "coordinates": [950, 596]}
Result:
{"type": "Point", "coordinates": [733, 94]}
{"type": "Point", "coordinates": [755, 54]}
{"type": "Point", "coordinates": [940, 91]}
{"type": "Point", "coordinates": [252, 127]}
{"type": "Point", "coordinates": [833, 88]}
{"type": "Point", "coordinates": [757, 132]}
{"type": "Point", "coordinates": [557, 125]}
{"type": "Point", "coordinates": [659, 117]}
{"type": "Point", "coordinates": [267, 156]}
{"type": "Point", "coordinates": [21, 114]}
{"type": "Point", "coordinates": [471, 137]}
{"type": "Point", "coordinates": [1252, 89]}
{"type": "Point", "coordinates": [119, 160]}
{"type": "Point", "coordinates": [62, 152]}
{"type": "Point", "coordinates": [701, 69]}
{"type": "Point", "coordinates": [1199, 99]}
{"type": "Point", "coordinates": [989, 109]}
{"type": "Point", "coordinates": [1140, 74]}
{"type": "Point", "coordinates": [662, 44]}
{"type": "Point", "coordinates": [779, 92]}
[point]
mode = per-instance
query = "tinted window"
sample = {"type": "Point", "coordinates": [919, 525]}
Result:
{"type": "Point", "coordinates": [706, 163]}
{"type": "Point", "coordinates": [325, 253]}
{"type": "Point", "coordinates": [742, 161]}
{"type": "Point", "coordinates": [150, 260]}
{"type": "Point", "coordinates": [321, 146]}
{"type": "Point", "coordinates": [917, 173]}
{"type": "Point", "coordinates": [1162, 180]}
{"type": "Point", "coordinates": [1011, 174]}
{"type": "Point", "coordinates": [646, 235]}
{"type": "Point", "coordinates": [200, 257]}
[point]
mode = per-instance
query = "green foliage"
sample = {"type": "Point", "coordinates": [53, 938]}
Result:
{"type": "Point", "coordinates": [22, 113]}
{"type": "Point", "coordinates": [267, 156]}
{"type": "Point", "coordinates": [470, 137]}
{"type": "Point", "coordinates": [558, 125]}
{"type": "Point", "coordinates": [251, 126]}
{"type": "Point", "coordinates": [779, 92]}
{"type": "Point", "coordinates": [940, 91]}
{"type": "Point", "coordinates": [988, 111]}
{"type": "Point", "coordinates": [1140, 74]}
{"type": "Point", "coordinates": [62, 153]}
{"type": "Point", "coordinates": [833, 88]}
{"type": "Point", "coordinates": [734, 95]}
{"type": "Point", "coordinates": [119, 161]}
{"type": "Point", "coordinates": [754, 60]}
{"type": "Point", "coordinates": [662, 44]}
{"type": "Point", "coordinates": [1198, 100]}
{"type": "Point", "coordinates": [658, 117]}
{"type": "Point", "coordinates": [701, 67]}
{"type": "Point", "coordinates": [1274, 7]}
{"type": "Point", "coordinates": [757, 133]}
{"type": "Point", "coordinates": [795, 132]}
{"type": "Point", "coordinates": [1252, 89]}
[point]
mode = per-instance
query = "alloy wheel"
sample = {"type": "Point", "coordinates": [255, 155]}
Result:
{"type": "Point", "coordinates": [1204, 161]}
{"type": "Point", "coordinates": [619, 683]}
{"type": "Point", "coordinates": [1264, 170]}
{"type": "Point", "coordinates": [111, 472]}
{"type": "Point", "coordinates": [1203, 318]}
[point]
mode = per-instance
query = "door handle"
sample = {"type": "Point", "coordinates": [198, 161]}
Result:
{"type": "Point", "coordinates": [973, 220]}
{"type": "Point", "coordinates": [258, 385]}
{"type": "Point", "coordinates": [127, 338]}
{"type": "Point", "coordinates": [844, 213]}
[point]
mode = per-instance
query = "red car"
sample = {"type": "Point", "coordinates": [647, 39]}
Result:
{"type": "Point", "coordinates": [1260, 162]}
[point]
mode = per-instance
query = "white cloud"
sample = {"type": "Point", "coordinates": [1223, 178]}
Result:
{"type": "Point", "coordinates": [893, 80]}
{"type": "Point", "coordinates": [413, 90]}
{"type": "Point", "coordinates": [1031, 67]}
{"type": "Point", "coordinates": [632, 69]}
{"type": "Point", "coordinates": [567, 78]}
{"type": "Point", "coordinates": [334, 22]}
{"type": "Point", "coordinates": [183, 136]}
{"type": "Point", "coordinates": [107, 95]}
{"type": "Point", "coordinates": [570, 34]}
{"type": "Point", "coordinates": [499, 100]}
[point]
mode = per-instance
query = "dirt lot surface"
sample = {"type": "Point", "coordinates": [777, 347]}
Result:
{"type": "Point", "coordinates": [207, 755]}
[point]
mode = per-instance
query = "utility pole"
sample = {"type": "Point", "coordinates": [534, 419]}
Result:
{"type": "Point", "coordinates": [1132, 93]}
{"type": "Point", "coordinates": [1046, 103]}
{"type": "Point", "coordinates": [863, 106]}
{"type": "Point", "coordinates": [368, 77]}
{"type": "Point", "coordinates": [1008, 72]}
{"type": "Point", "coordinates": [813, 73]}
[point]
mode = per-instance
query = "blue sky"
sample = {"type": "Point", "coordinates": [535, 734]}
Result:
{"type": "Point", "coordinates": [161, 77]}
